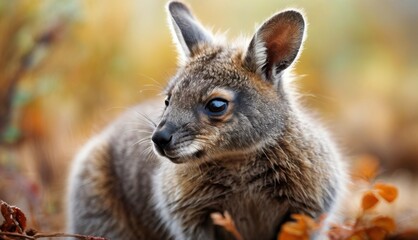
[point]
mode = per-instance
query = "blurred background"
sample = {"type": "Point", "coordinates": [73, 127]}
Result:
{"type": "Point", "coordinates": [67, 68]}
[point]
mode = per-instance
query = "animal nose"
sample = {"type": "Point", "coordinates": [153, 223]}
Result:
{"type": "Point", "coordinates": [163, 136]}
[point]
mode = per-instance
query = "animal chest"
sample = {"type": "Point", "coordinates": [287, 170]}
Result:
{"type": "Point", "coordinates": [251, 195]}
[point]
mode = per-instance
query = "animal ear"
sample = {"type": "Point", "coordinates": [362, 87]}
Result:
{"type": "Point", "coordinates": [186, 29]}
{"type": "Point", "coordinates": [276, 44]}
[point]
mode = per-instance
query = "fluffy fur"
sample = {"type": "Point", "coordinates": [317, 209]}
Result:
{"type": "Point", "coordinates": [261, 160]}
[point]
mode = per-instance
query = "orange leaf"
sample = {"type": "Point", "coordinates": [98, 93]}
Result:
{"type": "Point", "coordinates": [287, 236]}
{"type": "Point", "coordinates": [307, 222]}
{"type": "Point", "coordinates": [369, 200]}
{"type": "Point", "coordinates": [387, 191]}
{"type": "Point", "coordinates": [386, 223]}
{"type": "Point", "coordinates": [293, 231]}
{"type": "Point", "coordinates": [294, 228]}
{"type": "Point", "coordinates": [226, 222]}
{"type": "Point", "coordinates": [359, 235]}
{"type": "Point", "coordinates": [376, 233]}
{"type": "Point", "coordinates": [298, 230]}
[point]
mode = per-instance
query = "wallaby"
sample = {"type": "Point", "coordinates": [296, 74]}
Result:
{"type": "Point", "coordinates": [231, 137]}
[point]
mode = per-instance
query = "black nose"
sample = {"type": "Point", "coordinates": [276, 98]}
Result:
{"type": "Point", "coordinates": [162, 137]}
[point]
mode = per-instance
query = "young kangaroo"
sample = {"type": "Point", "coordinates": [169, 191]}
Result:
{"type": "Point", "coordinates": [231, 137]}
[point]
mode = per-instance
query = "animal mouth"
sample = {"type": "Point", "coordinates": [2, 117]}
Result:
{"type": "Point", "coordinates": [173, 155]}
{"type": "Point", "coordinates": [175, 159]}
{"type": "Point", "coordinates": [159, 150]}
{"type": "Point", "coordinates": [182, 159]}
{"type": "Point", "coordinates": [167, 154]}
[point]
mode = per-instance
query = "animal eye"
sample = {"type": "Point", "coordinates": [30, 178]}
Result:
{"type": "Point", "coordinates": [167, 101]}
{"type": "Point", "coordinates": [216, 107]}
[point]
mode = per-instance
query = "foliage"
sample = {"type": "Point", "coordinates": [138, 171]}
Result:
{"type": "Point", "coordinates": [301, 229]}
{"type": "Point", "coordinates": [226, 222]}
{"type": "Point", "coordinates": [106, 56]}
{"type": "Point", "coordinates": [368, 225]}
{"type": "Point", "coordinates": [14, 227]}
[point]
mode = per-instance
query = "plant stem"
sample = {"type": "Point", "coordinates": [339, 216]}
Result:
{"type": "Point", "coordinates": [49, 235]}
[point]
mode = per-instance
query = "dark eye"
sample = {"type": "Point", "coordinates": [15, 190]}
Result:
{"type": "Point", "coordinates": [216, 107]}
{"type": "Point", "coordinates": [167, 101]}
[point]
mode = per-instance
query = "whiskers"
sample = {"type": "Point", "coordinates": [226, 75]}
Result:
{"type": "Point", "coordinates": [147, 119]}
{"type": "Point", "coordinates": [155, 86]}
{"type": "Point", "coordinates": [188, 143]}
{"type": "Point", "coordinates": [145, 144]}
{"type": "Point", "coordinates": [143, 128]}
{"type": "Point", "coordinates": [141, 141]}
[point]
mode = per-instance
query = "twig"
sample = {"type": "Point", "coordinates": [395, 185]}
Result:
{"type": "Point", "coordinates": [45, 39]}
{"type": "Point", "coordinates": [49, 235]}
{"type": "Point", "coordinates": [84, 237]}
{"type": "Point", "coordinates": [9, 234]}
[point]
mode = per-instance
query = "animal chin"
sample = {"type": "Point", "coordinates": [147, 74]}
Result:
{"type": "Point", "coordinates": [171, 155]}
{"type": "Point", "coordinates": [175, 160]}
{"type": "Point", "coordinates": [158, 150]}
{"type": "Point", "coordinates": [180, 154]}
{"type": "Point", "coordinates": [183, 155]}
{"type": "Point", "coordinates": [167, 153]}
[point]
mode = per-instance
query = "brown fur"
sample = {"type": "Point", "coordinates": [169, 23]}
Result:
{"type": "Point", "coordinates": [261, 160]}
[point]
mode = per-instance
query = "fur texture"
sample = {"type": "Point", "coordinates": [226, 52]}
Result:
{"type": "Point", "coordinates": [160, 174]}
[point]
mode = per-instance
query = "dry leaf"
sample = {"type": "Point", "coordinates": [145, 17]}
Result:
{"type": "Point", "coordinates": [386, 223]}
{"type": "Point", "coordinates": [284, 235]}
{"type": "Point", "coordinates": [305, 221]}
{"type": "Point", "coordinates": [293, 231]}
{"type": "Point", "coordinates": [20, 218]}
{"type": "Point", "coordinates": [369, 200]}
{"type": "Point", "coordinates": [387, 191]}
{"type": "Point", "coordinates": [376, 233]}
{"type": "Point", "coordinates": [14, 219]}
{"type": "Point", "coordinates": [294, 228]}
{"type": "Point", "coordinates": [226, 222]}
{"type": "Point", "coordinates": [14, 224]}
{"type": "Point", "coordinates": [8, 224]}
{"type": "Point", "coordinates": [359, 235]}
{"type": "Point", "coordinates": [301, 229]}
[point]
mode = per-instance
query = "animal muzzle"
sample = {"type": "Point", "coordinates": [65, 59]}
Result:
{"type": "Point", "coordinates": [162, 137]}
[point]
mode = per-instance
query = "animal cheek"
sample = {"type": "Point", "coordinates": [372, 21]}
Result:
{"type": "Point", "coordinates": [209, 134]}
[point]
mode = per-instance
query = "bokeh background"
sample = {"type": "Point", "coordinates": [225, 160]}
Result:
{"type": "Point", "coordinates": [68, 67]}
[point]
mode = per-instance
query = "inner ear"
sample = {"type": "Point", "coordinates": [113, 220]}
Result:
{"type": "Point", "coordinates": [188, 32]}
{"type": "Point", "coordinates": [276, 44]}
{"type": "Point", "coordinates": [282, 42]}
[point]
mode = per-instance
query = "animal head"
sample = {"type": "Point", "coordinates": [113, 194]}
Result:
{"type": "Point", "coordinates": [226, 100]}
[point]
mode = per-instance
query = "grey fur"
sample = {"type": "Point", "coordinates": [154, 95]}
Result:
{"type": "Point", "coordinates": [189, 32]}
{"type": "Point", "coordinates": [261, 161]}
